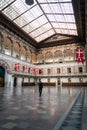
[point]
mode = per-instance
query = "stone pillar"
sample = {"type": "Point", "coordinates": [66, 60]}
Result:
{"type": "Point", "coordinates": [44, 57]}
{"type": "Point", "coordinates": [31, 57]}
{"type": "Point", "coordinates": [2, 44]}
{"type": "Point", "coordinates": [12, 50]}
{"type": "Point", "coordinates": [12, 47]}
{"type": "Point", "coordinates": [53, 57]}
{"type": "Point", "coordinates": [26, 55]}
{"type": "Point", "coordinates": [20, 52]}
{"type": "Point", "coordinates": [64, 56]}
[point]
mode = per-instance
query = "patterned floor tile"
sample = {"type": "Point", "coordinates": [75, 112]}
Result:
{"type": "Point", "coordinates": [16, 108]}
{"type": "Point", "coordinates": [12, 117]}
{"type": "Point", "coordinates": [26, 110]}
{"type": "Point", "coordinates": [70, 128]}
{"type": "Point", "coordinates": [9, 125]}
{"type": "Point", "coordinates": [23, 125]}
{"type": "Point", "coordinates": [73, 122]}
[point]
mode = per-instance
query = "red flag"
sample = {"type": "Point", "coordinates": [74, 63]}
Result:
{"type": "Point", "coordinates": [80, 55]}
{"type": "Point", "coordinates": [25, 67]}
{"type": "Point", "coordinates": [42, 71]}
{"type": "Point", "coordinates": [31, 70]}
{"type": "Point", "coordinates": [17, 66]}
{"type": "Point", "coordinates": [36, 71]}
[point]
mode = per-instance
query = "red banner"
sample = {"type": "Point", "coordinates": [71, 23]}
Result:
{"type": "Point", "coordinates": [17, 66]}
{"type": "Point", "coordinates": [31, 70]}
{"type": "Point", "coordinates": [42, 71]}
{"type": "Point", "coordinates": [36, 71]}
{"type": "Point", "coordinates": [25, 67]}
{"type": "Point", "coordinates": [80, 55]}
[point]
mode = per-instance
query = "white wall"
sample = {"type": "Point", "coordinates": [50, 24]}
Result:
{"type": "Point", "coordinates": [19, 81]}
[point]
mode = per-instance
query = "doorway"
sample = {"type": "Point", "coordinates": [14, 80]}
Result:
{"type": "Point", "coordinates": [2, 76]}
{"type": "Point", "coordinates": [58, 81]}
{"type": "Point", "coordinates": [15, 81]}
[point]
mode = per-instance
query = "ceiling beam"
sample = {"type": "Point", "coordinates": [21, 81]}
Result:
{"type": "Point", "coordinates": [60, 42]}
{"type": "Point", "coordinates": [77, 13]}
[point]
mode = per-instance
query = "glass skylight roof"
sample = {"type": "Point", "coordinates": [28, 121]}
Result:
{"type": "Point", "coordinates": [43, 19]}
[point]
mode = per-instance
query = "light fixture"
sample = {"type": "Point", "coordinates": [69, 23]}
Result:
{"type": "Point", "coordinates": [29, 2]}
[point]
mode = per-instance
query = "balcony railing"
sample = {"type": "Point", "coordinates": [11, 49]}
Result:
{"type": "Point", "coordinates": [49, 75]}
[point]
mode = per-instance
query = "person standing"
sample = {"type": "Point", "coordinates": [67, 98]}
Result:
{"type": "Point", "coordinates": [40, 87]}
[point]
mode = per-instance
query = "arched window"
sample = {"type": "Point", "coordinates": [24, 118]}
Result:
{"type": "Point", "coordinates": [49, 57]}
{"type": "Point", "coordinates": [7, 46]}
{"type": "Point", "coordinates": [40, 58]}
{"type": "Point", "coordinates": [23, 53]}
{"type": "Point", "coordinates": [16, 50]}
{"type": "Point", "coordinates": [58, 55]}
{"type": "Point", "coordinates": [29, 56]}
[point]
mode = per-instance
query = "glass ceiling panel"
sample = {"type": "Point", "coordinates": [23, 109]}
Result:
{"type": "Point", "coordinates": [58, 30]}
{"type": "Point", "coordinates": [36, 11]}
{"type": "Point", "coordinates": [38, 22]}
{"type": "Point", "coordinates": [69, 18]}
{"type": "Point", "coordinates": [4, 3]}
{"type": "Point", "coordinates": [66, 7]}
{"type": "Point", "coordinates": [20, 21]}
{"type": "Point", "coordinates": [73, 32]}
{"type": "Point", "coordinates": [56, 18]}
{"type": "Point", "coordinates": [27, 17]}
{"type": "Point", "coordinates": [45, 1]}
{"type": "Point", "coordinates": [63, 25]}
{"type": "Point", "coordinates": [71, 26]}
{"type": "Point", "coordinates": [27, 28]}
{"type": "Point", "coordinates": [51, 8]}
{"type": "Point", "coordinates": [45, 35]}
{"type": "Point", "coordinates": [20, 8]}
{"type": "Point", "coordinates": [64, 0]}
{"type": "Point", "coordinates": [16, 9]}
{"type": "Point", "coordinates": [42, 20]}
{"type": "Point", "coordinates": [10, 12]}
{"type": "Point", "coordinates": [41, 30]}
{"type": "Point", "coordinates": [65, 31]}
{"type": "Point", "coordinates": [56, 25]}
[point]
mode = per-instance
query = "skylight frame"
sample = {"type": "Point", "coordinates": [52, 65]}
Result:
{"type": "Point", "coordinates": [26, 17]}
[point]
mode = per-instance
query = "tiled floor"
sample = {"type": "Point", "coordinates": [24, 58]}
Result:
{"type": "Point", "coordinates": [22, 109]}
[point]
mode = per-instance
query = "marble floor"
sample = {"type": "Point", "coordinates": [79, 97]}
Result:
{"type": "Point", "coordinates": [21, 108]}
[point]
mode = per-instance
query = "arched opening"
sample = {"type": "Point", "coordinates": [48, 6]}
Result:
{"type": "Point", "coordinates": [58, 81]}
{"type": "Point", "coordinates": [15, 81]}
{"type": "Point", "coordinates": [2, 76]}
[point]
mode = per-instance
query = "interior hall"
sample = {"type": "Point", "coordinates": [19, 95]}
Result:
{"type": "Point", "coordinates": [43, 43]}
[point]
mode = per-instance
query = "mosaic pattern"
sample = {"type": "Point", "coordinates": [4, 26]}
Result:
{"type": "Point", "coordinates": [22, 108]}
